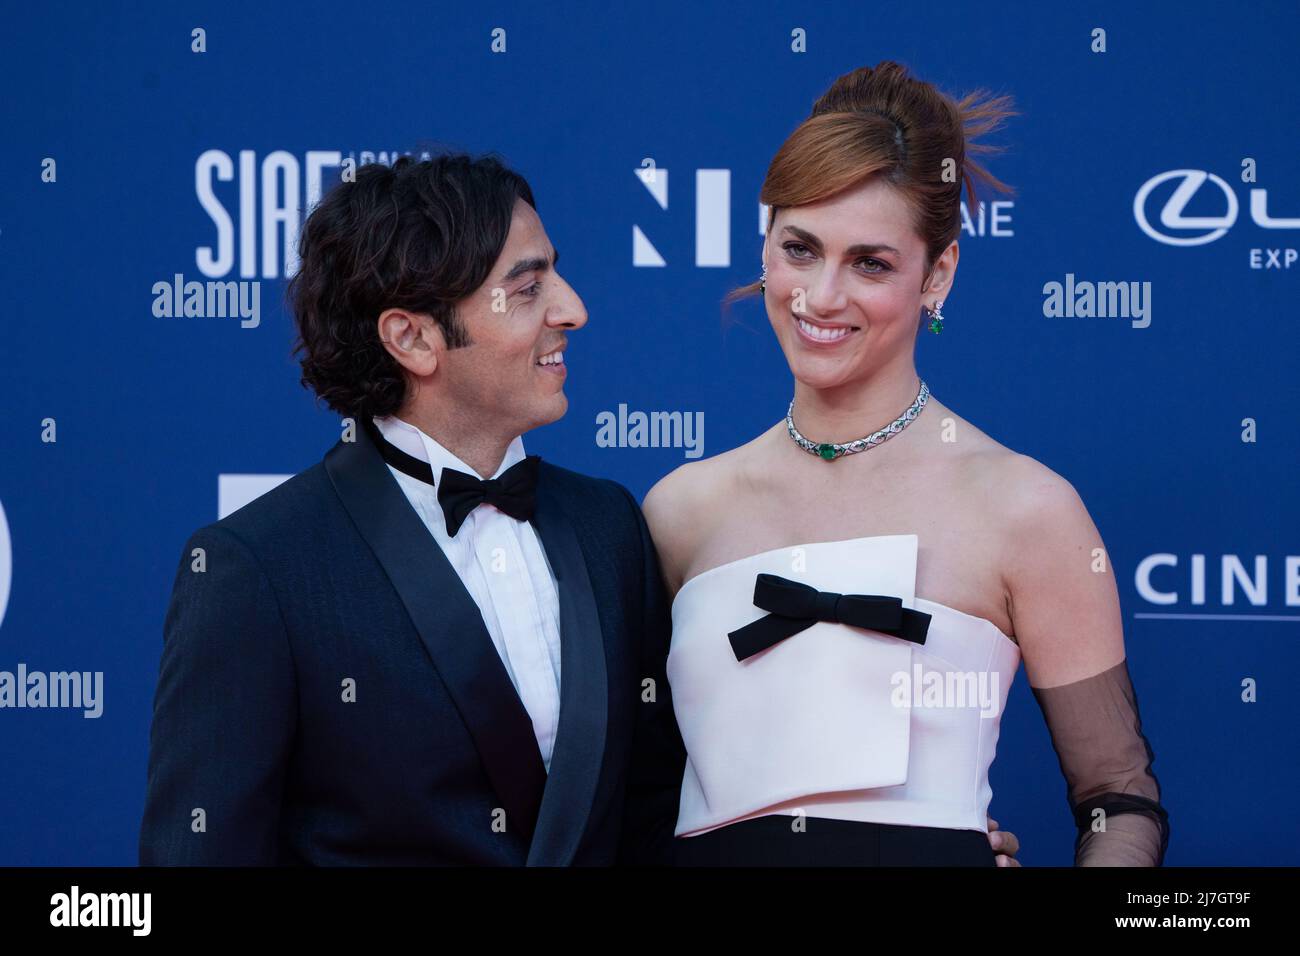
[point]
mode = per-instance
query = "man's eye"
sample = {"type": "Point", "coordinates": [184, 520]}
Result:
{"type": "Point", "coordinates": [532, 290]}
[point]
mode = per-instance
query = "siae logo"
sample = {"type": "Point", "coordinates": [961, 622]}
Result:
{"type": "Point", "coordinates": [271, 195]}
{"type": "Point", "coordinates": [266, 211]}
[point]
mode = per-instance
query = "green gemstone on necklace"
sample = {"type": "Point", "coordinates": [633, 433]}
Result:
{"type": "Point", "coordinates": [828, 451]}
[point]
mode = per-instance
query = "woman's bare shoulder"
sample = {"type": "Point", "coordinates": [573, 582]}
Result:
{"type": "Point", "coordinates": [1062, 594]}
{"type": "Point", "coordinates": [1018, 495]}
{"type": "Point", "coordinates": [1037, 514]}
{"type": "Point", "coordinates": [1026, 490]}
{"type": "Point", "coordinates": [1011, 482]}
{"type": "Point", "coordinates": [701, 483]}
{"type": "Point", "coordinates": [686, 504]}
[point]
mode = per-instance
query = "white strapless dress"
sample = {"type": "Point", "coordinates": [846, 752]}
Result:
{"type": "Point", "coordinates": [835, 721]}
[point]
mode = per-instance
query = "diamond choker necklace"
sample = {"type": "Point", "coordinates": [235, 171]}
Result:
{"type": "Point", "coordinates": [829, 451]}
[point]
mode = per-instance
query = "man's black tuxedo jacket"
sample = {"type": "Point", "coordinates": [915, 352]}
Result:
{"type": "Point", "coordinates": [330, 582]}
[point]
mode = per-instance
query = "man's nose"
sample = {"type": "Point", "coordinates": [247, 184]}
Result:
{"type": "Point", "coordinates": [568, 311]}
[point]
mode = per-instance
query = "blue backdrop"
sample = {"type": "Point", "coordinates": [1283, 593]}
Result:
{"type": "Point", "coordinates": [129, 157]}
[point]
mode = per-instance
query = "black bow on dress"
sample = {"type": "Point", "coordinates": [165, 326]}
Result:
{"type": "Point", "coordinates": [796, 607]}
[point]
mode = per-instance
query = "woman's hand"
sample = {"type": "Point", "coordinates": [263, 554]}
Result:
{"type": "Point", "coordinates": [1004, 843]}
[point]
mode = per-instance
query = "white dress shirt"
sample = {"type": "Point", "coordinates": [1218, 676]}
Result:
{"type": "Point", "coordinates": [504, 568]}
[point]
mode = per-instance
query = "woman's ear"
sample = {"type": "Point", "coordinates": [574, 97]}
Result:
{"type": "Point", "coordinates": [942, 273]}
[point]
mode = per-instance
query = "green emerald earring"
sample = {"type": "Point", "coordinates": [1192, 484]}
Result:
{"type": "Point", "coordinates": [936, 318]}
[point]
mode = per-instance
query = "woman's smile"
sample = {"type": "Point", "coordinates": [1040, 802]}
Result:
{"type": "Point", "coordinates": [822, 334]}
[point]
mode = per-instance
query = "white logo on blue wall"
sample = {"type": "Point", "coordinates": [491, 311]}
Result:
{"type": "Point", "coordinates": [271, 197]}
{"type": "Point", "coordinates": [1229, 587]}
{"type": "Point", "coordinates": [1210, 227]}
{"type": "Point", "coordinates": [713, 218]}
{"type": "Point", "coordinates": [257, 221]}
{"type": "Point", "coordinates": [1171, 214]}
{"type": "Point", "coordinates": [235, 490]}
{"type": "Point", "coordinates": [6, 563]}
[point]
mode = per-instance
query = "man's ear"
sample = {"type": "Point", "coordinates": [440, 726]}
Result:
{"type": "Point", "coordinates": [413, 339]}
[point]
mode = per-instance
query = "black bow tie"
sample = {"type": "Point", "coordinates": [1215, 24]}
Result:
{"type": "Point", "coordinates": [796, 607]}
{"type": "Point", "coordinates": [514, 492]}
{"type": "Point", "coordinates": [458, 493]}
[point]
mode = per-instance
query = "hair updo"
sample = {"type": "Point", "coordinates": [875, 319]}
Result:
{"type": "Point", "coordinates": [880, 121]}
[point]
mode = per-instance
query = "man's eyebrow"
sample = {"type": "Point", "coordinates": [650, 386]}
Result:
{"type": "Point", "coordinates": [534, 264]}
{"type": "Point", "coordinates": [861, 249]}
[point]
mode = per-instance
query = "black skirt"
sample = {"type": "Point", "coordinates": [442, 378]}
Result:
{"type": "Point", "coordinates": [773, 841]}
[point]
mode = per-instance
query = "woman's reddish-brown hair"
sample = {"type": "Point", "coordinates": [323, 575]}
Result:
{"type": "Point", "coordinates": [880, 121]}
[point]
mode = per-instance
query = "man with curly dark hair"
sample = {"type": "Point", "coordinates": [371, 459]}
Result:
{"type": "Point", "coordinates": [429, 648]}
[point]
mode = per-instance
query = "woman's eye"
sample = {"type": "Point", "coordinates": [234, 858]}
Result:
{"type": "Point", "coordinates": [884, 266]}
{"type": "Point", "coordinates": [792, 247]}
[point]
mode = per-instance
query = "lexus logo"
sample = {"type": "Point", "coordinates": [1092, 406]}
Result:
{"type": "Point", "coordinates": [1210, 227]}
{"type": "Point", "coordinates": [1171, 216]}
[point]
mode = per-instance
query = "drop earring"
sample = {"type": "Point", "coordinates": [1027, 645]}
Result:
{"type": "Point", "coordinates": [762, 282]}
{"type": "Point", "coordinates": [936, 318]}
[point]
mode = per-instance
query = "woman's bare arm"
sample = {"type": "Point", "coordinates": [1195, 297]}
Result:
{"type": "Point", "coordinates": [1066, 615]}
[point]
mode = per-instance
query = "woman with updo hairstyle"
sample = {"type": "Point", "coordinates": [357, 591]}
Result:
{"type": "Point", "coordinates": [855, 588]}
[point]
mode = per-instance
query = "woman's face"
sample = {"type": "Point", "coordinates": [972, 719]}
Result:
{"type": "Point", "coordinates": [844, 279]}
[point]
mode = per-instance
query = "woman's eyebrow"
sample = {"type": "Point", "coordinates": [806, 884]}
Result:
{"type": "Point", "coordinates": [803, 236]}
{"type": "Point", "coordinates": [860, 249]}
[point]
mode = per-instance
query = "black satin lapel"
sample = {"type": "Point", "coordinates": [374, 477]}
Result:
{"type": "Point", "coordinates": [449, 624]}
{"type": "Point", "coordinates": [584, 695]}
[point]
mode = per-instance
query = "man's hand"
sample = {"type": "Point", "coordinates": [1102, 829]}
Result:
{"type": "Point", "coordinates": [1004, 844]}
